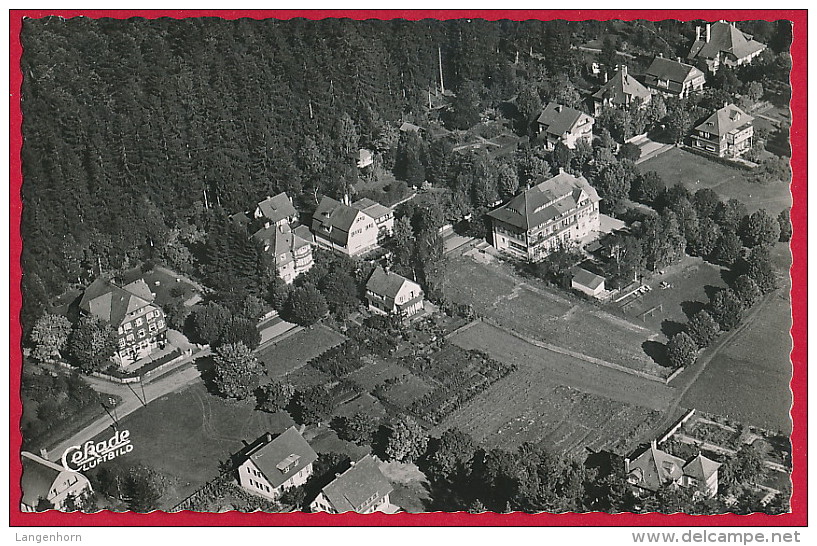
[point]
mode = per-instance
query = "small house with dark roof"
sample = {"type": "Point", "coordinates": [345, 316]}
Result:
{"type": "Point", "coordinates": [277, 210]}
{"type": "Point", "coordinates": [722, 43]}
{"type": "Point", "coordinates": [586, 282]}
{"type": "Point", "coordinates": [48, 485]}
{"type": "Point", "coordinates": [558, 123]}
{"type": "Point", "coordinates": [383, 216]}
{"type": "Point", "coordinates": [362, 488]}
{"type": "Point", "coordinates": [654, 468]}
{"type": "Point", "coordinates": [620, 91]}
{"type": "Point", "coordinates": [290, 249]}
{"type": "Point", "coordinates": [272, 465]}
{"type": "Point", "coordinates": [728, 132]}
{"type": "Point", "coordinates": [554, 213]}
{"type": "Point", "coordinates": [343, 228]}
{"type": "Point", "coordinates": [140, 324]}
{"type": "Point", "coordinates": [391, 294]}
{"type": "Point", "coordinates": [673, 78]}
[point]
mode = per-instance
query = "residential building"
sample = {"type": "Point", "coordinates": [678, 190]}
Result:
{"type": "Point", "coordinates": [673, 78]}
{"type": "Point", "coordinates": [272, 465]}
{"type": "Point", "coordinates": [558, 123]}
{"type": "Point", "coordinates": [587, 282]}
{"type": "Point", "coordinates": [383, 215]}
{"type": "Point", "coordinates": [49, 485]}
{"type": "Point", "coordinates": [620, 91]}
{"type": "Point", "coordinates": [654, 468]}
{"type": "Point", "coordinates": [362, 488]}
{"type": "Point", "coordinates": [391, 294]}
{"type": "Point", "coordinates": [728, 132]}
{"type": "Point", "coordinates": [343, 228]}
{"type": "Point", "coordinates": [277, 210]}
{"type": "Point", "coordinates": [558, 211]}
{"type": "Point", "coordinates": [722, 44]}
{"type": "Point", "coordinates": [291, 249]}
{"type": "Point", "coordinates": [140, 325]}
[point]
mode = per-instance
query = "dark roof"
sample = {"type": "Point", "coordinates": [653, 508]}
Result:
{"type": "Point", "coordinates": [333, 219]}
{"type": "Point", "coordinates": [724, 36]}
{"type": "Point", "coordinates": [277, 208]}
{"type": "Point", "coordinates": [281, 240]}
{"type": "Point", "coordinates": [620, 86]}
{"type": "Point", "coordinates": [673, 71]}
{"type": "Point", "coordinates": [724, 120]}
{"type": "Point", "coordinates": [586, 278]}
{"type": "Point", "coordinates": [111, 303]}
{"type": "Point", "coordinates": [240, 219]}
{"type": "Point", "coordinates": [288, 451]}
{"type": "Point", "coordinates": [358, 488]}
{"type": "Point", "coordinates": [384, 283]}
{"type": "Point", "coordinates": [372, 208]}
{"type": "Point", "coordinates": [38, 477]}
{"type": "Point", "coordinates": [545, 201]}
{"type": "Point", "coordinates": [558, 119]}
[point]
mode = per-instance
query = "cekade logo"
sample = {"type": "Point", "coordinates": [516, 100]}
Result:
{"type": "Point", "coordinates": [90, 454]}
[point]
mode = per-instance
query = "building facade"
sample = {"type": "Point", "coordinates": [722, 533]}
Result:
{"type": "Point", "coordinates": [654, 468]}
{"type": "Point", "coordinates": [388, 293]}
{"type": "Point", "coordinates": [728, 132]}
{"type": "Point", "coordinates": [140, 325]}
{"type": "Point", "coordinates": [291, 250]}
{"type": "Point", "coordinates": [344, 229]}
{"type": "Point", "coordinates": [557, 212]}
{"type": "Point", "coordinates": [272, 465]}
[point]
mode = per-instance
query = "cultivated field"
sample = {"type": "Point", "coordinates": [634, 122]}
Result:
{"type": "Point", "coordinates": [697, 172]}
{"type": "Point", "coordinates": [295, 351]}
{"type": "Point", "coordinates": [494, 290]}
{"type": "Point", "coordinates": [553, 397]}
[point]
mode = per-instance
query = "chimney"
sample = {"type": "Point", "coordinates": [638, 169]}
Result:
{"type": "Point", "coordinates": [708, 32]}
{"type": "Point", "coordinates": [44, 453]}
{"type": "Point", "coordinates": [559, 107]}
{"type": "Point", "coordinates": [301, 429]}
{"type": "Point", "coordinates": [624, 70]}
{"type": "Point", "coordinates": [697, 33]}
{"type": "Point", "coordinates": [605, 76]}
{"type": "Point", "coordinates": [654, 444]}
{"type": "Point", "coordinates": [267, 437]}
{"type": "Point", "coordinates": [626, 465]}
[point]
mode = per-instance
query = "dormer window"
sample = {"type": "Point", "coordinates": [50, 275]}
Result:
{"type": "Point", "coordinates": [288, 464]}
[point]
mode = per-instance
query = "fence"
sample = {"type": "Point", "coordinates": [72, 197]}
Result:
{"type": "Point", "coordinates": [674, 428]}
{"type": "Point", "coordinates": [126, 380]}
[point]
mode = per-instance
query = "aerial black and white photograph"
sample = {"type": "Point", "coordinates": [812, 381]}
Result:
{"type": "Point", "coordinates": [406, 266]}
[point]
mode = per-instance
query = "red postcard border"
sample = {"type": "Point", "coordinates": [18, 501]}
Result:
{"type": "Point", "coordinates": [799, 270]}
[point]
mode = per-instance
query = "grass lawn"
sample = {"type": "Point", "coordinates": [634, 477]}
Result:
{"type": "Point", "coordinates": [697, 172]}
{"type": "Point", "coordinates": [376, 373]}
{"type": "Point", "coordinates": [325, 440]}
{"type": "Point", "coordinates": [296, 350]}
{"type": "Point", "coordinates": [186, 434]}
{"type": "Point", "coordinates": [364, 403]}
{"type": "Point", "coordinates": [526, 306]}
{"type": "Point", "coordinates": [748, 380]}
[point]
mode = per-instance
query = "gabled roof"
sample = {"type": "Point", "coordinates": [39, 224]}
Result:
{"type": "Point", "coordinates": [283, 457]}
{"type": "Point", "coordinates": [281, 240]}
{"type": "Point", "coordinates": [673, 71]}
{"type": "Point", "coordinates": [358, 488]}
{"type": "Point", "coordinates": [334, 213]}
{"type": "Point", "coordinates": [545, 201]}
{"type": "Point", "coordinates": [372, 208]}
{"type": "Point", "coordinates": [111, 303]}
{"type": "Point", "coordinates": [406, 126]}
{"type": "Point", "coordinates": [654, 468]}
{"type": "Point", "coordinates": [724, 36]}
{"type": "Point", "coordinates": [38, 477]}
{"type": "Point", "coordinates": [619, 87]}
{"type": "Point", "coordinates": [386, 284]}
{"type": "Point", "coordinates": [558, 119]}
{"type": "Point", "coordinates": [724, 120]}
{"type": "Point", "coordinates": [701, 468]}
{"type": "Point", "coordinates": [586, 278]}
{"type": "Point", "coordinates": [240, 219]}
{"type": "Point", "coordinates": [277, 208]}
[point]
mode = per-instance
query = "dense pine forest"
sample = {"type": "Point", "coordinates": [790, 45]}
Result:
{"type": "Point", "coordinates": [136, 131]}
